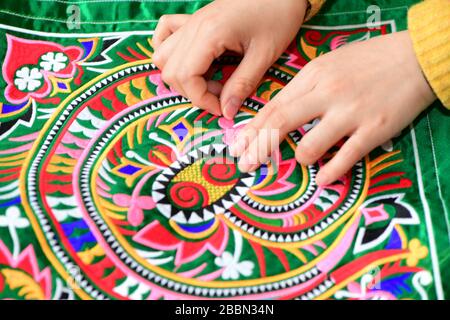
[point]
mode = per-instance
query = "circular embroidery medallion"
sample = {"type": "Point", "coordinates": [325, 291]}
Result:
{"type": "Point", "coordinates": [137, 189]}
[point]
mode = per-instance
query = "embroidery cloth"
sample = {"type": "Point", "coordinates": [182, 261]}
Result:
{"type": "Point", "coordinates": [112, 186]}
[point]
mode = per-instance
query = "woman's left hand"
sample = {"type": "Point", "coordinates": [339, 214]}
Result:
{"type": "Point", "coordinates": [366, 91]}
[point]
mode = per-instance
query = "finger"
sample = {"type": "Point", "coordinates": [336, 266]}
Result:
{"type": "Point", "coordinates": [353, 150]}
{"type": "Point", "coordinates": [244, 80]}
{"type": "Point", "coordinates": [197, 90]}
{"type": "Point", "coordinates": [187, 71]}
{"type": "Point", "coordinates": [282, 112]}
{"type": "Point", "coordinates": [167, 25]}
{"type": "Point", "coordinates": [321, 138]}
{"type": "Point", "coordinates": [259, 149]}
{"type": "Point", "coordinates": [249, 132]}
{"type": "Point", "coordinates": [215, 87]}
{"type": "Point", "coordinates": [165, 50]}
{"type": "Point", "coordinates": [273, 126]}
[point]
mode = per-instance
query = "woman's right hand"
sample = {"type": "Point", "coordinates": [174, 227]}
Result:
{"type": "Point", "coordinates": [186, 46]}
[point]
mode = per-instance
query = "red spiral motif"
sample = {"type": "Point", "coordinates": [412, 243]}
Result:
{"type": "Point", "coordinates": [314, 37]}
{"type": "Point", "coordinates": [189, 195]}
{"type": "Point", "coordinates": [219, 171]}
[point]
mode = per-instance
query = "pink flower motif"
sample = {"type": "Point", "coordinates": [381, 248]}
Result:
{"type": "Point", "coordinates": [136, 205]}
{"type": "Point", "coordinates": [161, 88]}
{"type": "Point", "coordinates": [229, 132]}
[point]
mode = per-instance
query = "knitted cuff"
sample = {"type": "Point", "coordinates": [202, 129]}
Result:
{"type": "Point", "coordinates": [315, 7]}
{"type": "Point", "coordinates": [429, 28]}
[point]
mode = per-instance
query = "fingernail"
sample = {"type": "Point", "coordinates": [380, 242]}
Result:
{"type": "Point", "coordinates": [231, 107]}
{"type": "Point", "coordinates": [247, 163]}
{"type": "Point", "coordinates": [244, 164]}
{"type": "Point", "coordinates": [237, 148]}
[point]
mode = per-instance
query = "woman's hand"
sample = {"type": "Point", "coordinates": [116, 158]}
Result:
{"type": "Point", "coordinates": [367, 91]}
{"type": "Point", "coordinates": [186, 45]}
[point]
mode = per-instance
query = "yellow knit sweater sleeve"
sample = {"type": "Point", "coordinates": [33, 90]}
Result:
{"type": "Point", "coordinates": [429, 27]}
{"type": "Point", "coordinates": [314, 8]}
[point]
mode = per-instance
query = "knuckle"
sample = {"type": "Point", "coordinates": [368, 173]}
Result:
{"type": "Point", "coordinates": [183, 75]}
{"type": "Point", "coordinates": [157, 58]}
{"type": "Point", "coordinates": [276, 115]}
{"type": "Point", "coordinates": [250, 130]}
{"type": "Point", "coordinates": [355, 151]}
{"type": "Point", "coordinates": [163, 20]}
{"type": "Point", "coordinates": [244, 85]}
{"type": "Point", "coordinates": [206, 21]}
{"type": "Point", "coordinates": [168, 76]}
{"type": "Point", "coordinates": [332, 86]}
{"type": "Point", "coordinates": [198, 99]}
{"type": "Point", "coordinates": [308, 151]}
{"type": "Point", "coordinates": [314, 68]}
{"type": "Point", "coordinates": [212, 27]}
{"type": "Point", "coordinates": [380, 121]}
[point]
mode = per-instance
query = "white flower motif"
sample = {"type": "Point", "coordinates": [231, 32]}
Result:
{"type": "Point", "coordinates": [28, 79]}
{"type": "Point", "coordinates": [12, 220]}
{"type": "Point", "coordinates": [53, 61]}
{"type": "Point", "coordinates": [232, 267]}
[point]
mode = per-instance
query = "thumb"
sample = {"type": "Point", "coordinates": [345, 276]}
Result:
{"type": "Point", "coordinates": [243, 81]}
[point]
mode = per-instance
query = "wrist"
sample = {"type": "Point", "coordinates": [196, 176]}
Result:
{"type": "Point", "coordinates": [416, 69]}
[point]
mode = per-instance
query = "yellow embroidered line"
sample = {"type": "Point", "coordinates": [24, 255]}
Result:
{"type": "Point", "coordinates": [381, 167]}
{"type": "Point", "coordinates": [299, 218]}
{"type": "Point", "coordinates": [144, 50]}
{"type": "Point", "coordinates": [130, 98]}
{"type": "Point", "coordinates": [141, 84]}
{"type": "Point", "coordinates": [140, 129]}
{"type": "Point", "coordinates": [310, 51]}
{"type": "Point", "coordinates": [380, 159]}
{"type": "Point", "coordinates": [298, 254]}
{"type": "Point", "coordinates": [162, 157]}
{"type": "Point", "coordinates": [19, 156]}
{"type": "Point", "coordinates": [402, 235]}
{"type": "Point", "coordinates": [14, 113]}
{"type": "Point", "coordinates": [195, 236]}
{"type": "Point", "coordinates": [130, 135]}
{"type": "Point", "coordinates": [115, 215]}
{"type": "Point", "coordinates": [88, 255]}
{"type": "Point", "coordinates": [67, 161]}
{"type": "Point", "coordinates": [95, 41]}
{"type": "Point", "coordinates": [110, 206]}
{"type": "Point", "coordinates": [12, 163]}
{"type": "Point", "coordinates": [285, 70]}
{"type": "Point", "coordinates": [150, 42]}
{"type": "Point", "coordinates": [52, 168]}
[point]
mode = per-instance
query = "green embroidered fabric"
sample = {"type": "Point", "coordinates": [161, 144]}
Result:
{"type": "Point", "coordinates": [112, 185]}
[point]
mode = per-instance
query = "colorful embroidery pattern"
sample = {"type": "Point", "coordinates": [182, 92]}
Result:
{"type": "Point", "coordinates": [113, 186]}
